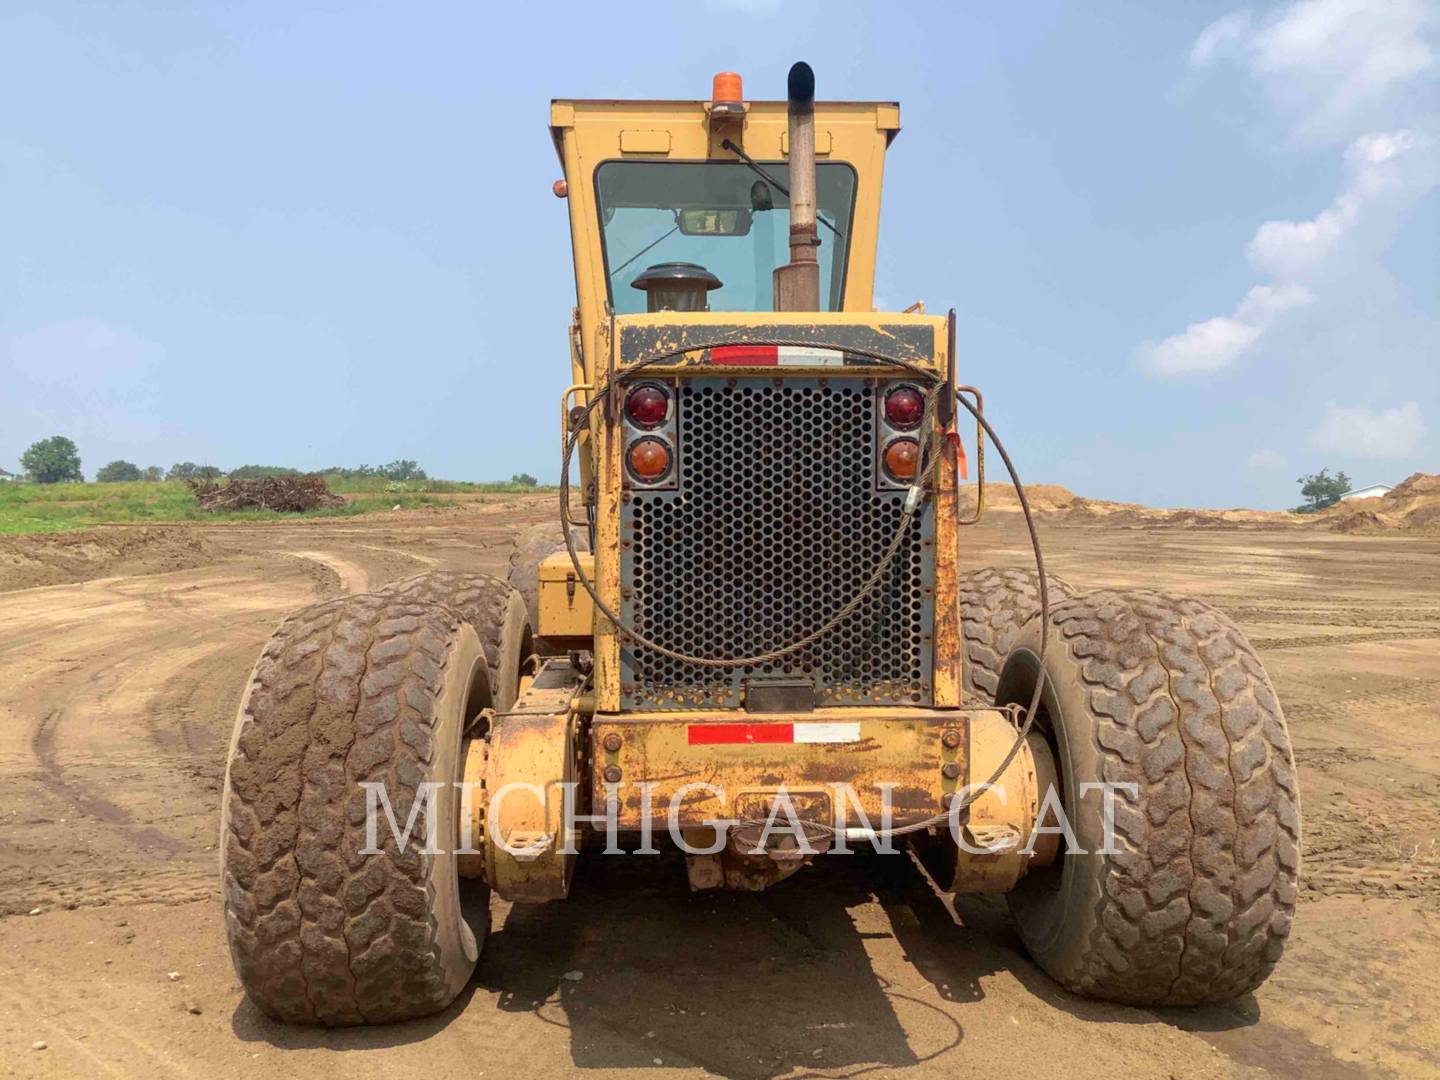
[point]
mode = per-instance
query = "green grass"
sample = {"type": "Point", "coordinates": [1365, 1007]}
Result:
{"type": "Point", "coordinates": [36, 508]}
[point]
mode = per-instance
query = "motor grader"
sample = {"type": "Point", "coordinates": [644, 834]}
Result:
{"type": "Point", "coordinates": [751, 635]}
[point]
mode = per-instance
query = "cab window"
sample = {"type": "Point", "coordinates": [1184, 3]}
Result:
{"type": "Point", "coordinates": [722, 216]}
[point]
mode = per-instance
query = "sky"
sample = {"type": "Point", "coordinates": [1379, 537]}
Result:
{"type": "Point", "coordinates": [1192, 247]}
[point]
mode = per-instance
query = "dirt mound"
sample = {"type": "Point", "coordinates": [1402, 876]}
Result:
{"type": "Point", "coordinates": [1413, 504]}
{"type": "Point", "coordinates": [1055, 503]}
{"type": "Point", "coordinates": [62, 558]}
{"type": "Point", "coordinates": [1415, 501]}
{"type": "Point", "coordinates": [1001, 496]}
{"type": "Point", "coordinates": [286, 494]}
{"type": "Point", "coordinates": [1416, 485]}
{"type": "Point", "coordinates": [1357, 521]}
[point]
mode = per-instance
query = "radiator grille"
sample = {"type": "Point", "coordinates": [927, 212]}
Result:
{"type": "Point", "coordinates": [775, 524]}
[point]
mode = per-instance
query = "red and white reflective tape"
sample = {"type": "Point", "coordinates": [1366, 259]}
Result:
{"type": "Point", "coordinates": [776, 356]}
{"type": "Point", "coordinates": [712, 734]}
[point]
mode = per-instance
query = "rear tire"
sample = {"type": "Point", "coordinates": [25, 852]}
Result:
{"type": "Point", "coordinates": [496, 612]}
{"type": "Point", "coordinates": [1196, 900]}
{"type": "Point", "coordinates": [995, 605]}
{"type": "Point", "coordinates": [359, 689]}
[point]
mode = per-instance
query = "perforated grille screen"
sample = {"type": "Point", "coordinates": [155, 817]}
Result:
{"type": "Point", "coordinates": [775, 525]}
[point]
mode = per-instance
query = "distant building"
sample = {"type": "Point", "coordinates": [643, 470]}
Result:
{"type": "Point", "coordinates": [6, 475]}
{"type": "Point", "coordinates": [1371, 492]}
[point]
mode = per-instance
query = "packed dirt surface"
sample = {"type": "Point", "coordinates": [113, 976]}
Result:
{"type": "Point", "coordinates": [122, 657]}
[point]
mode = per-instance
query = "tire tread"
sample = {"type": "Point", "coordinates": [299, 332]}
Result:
{"type": "Point", "coordinates": [1196, 903]}
{"type": "Point", "coordinates": [343, 693]}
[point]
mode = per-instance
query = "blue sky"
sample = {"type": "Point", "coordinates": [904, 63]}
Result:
{"type": "Point", "coordinates": [1193, 247]}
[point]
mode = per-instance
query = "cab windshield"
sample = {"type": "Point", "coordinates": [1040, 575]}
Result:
{"type": "Point", "coordinates": [723, 216]}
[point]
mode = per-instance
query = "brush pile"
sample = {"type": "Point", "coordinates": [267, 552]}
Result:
{"type": "Point", "coordinates": [290, 493]}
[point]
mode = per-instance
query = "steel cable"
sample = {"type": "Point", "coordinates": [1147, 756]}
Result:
{"type": "Point", "coordinates": [959, 804]}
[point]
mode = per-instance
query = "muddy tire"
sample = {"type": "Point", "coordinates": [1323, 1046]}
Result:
{"type": "Point", "coordinates": [995, 605]}
{"type": "Point", "coordinates": [496, 612]}
{"type": "Point", "coordinates": [1196, 899]}
{"type": "Point", "coordinates": [359, 689]}
{"type": "Point", "coordinates": [534, 546]}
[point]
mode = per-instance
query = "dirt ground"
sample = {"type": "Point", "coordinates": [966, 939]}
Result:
{"type": "Point", "coordinates": [117, 695]}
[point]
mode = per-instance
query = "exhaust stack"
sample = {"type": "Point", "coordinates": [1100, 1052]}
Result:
{"type": "Point", "coordinates": [797, 283]}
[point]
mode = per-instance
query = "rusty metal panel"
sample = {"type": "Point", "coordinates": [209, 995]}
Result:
{"type": "Point", "coordinates": [533, 743]}
{"type": "Point", "coordinates": [907, 337]}
{"type": "Point", "coordinates": [907, 748]}
{"type": "Point", "coordinates": [609, 449]}
{"type": "Point", "coordinates": [949, 644]}
{"type": "Point", "coordinates": [776, 522]}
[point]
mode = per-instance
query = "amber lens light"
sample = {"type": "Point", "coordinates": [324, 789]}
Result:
{"type": "Point", "coordinates": [650, 459]}
{"type": "Point", "coordinates": [900, 458]}
{"type": "Point", "coordinates": [904, 407]}
{"type": "Point", "coordinates": [726, 89]}
{"type": "Point", "coordinates": [647, 406]}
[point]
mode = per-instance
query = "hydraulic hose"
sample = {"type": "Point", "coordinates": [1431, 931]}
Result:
{"type": "Point", "coordinates": [913, 502]}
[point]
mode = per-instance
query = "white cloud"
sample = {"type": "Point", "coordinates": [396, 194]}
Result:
{"type": "Point", "coordinates": [1384, 172]}
{"type": "Point", "coordinates": [1220, 37]}
{"type": "Point", "coordinates": [1265, 459]}
{"type": "Point", "coordinates": [1214, 344]}
{"type": "Point", "coordinates": [1327, 64]}
{"type": "Point", "coordinates": [1355, 430]}
{"type": "Point", "coordinates": [1376, 166]}
{"type": "Point", "coordinates": [1330, 66]}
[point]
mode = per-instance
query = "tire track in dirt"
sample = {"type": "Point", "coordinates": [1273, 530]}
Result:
{"type": "Point", "coordinates": [426, 561]}
{"type": "Point", "coordinates": [354, 578]}
{"type": "Point", "coordinates": [87, 802]}
{"type": "Point", "coordinates": [1420, 692]}
{"type": "Point", "coordinates": [1394, 617]}
{"type": "Point", "coordinates": [1320, 641]}
{"type": "Point", "coordinates": [115, 748]}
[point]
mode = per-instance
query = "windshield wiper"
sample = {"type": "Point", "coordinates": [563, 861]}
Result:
{"type": "Point", "coordinates": [754, 166]}
{"type": "Point", "coordinates": [642, 251]}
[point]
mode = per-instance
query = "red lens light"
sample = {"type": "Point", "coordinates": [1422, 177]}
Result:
{"type": "Point", "coordinates": [649, 459]}
{"type": "Point", "coordinates": [904, 406]}
{"type": "Point", "coordinates": [900, 458]}
{"type": "Point", "coordinates": [647, 406]}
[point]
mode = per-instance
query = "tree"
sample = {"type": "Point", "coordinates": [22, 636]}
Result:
{"type": "Point", "coordinates": [117, 471]}
{"type": "Point", "coordinates": [524, 478]}
{"type": "Point", "coordinates": [154, 473]}
{"type": "Point", "coordinates": [1322, 490]}
{"type": "Point", "coordinates": [188, 470]}
{"type": "Point", "coordinates": [401, 470]}
{"type": "Point", "coordinates": [255, 472]}
{"type": "Point", "coordinates": [52, 460]}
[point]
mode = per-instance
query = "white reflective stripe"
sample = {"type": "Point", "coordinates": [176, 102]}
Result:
{"type": "Point", "coordinates": [821, 733]}
{"type": "Point", "coordinates": [804, 355]}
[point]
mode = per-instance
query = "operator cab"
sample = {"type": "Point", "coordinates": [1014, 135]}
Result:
{"type": "Point", "coordinates": [728, 219]}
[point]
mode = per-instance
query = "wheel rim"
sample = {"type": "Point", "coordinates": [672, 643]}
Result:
{"type": "Point", "coordinates": [1042, 895]}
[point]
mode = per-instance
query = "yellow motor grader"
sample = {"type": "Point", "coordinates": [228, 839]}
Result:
{"type": "Point", "coordinates": [749, 634]}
